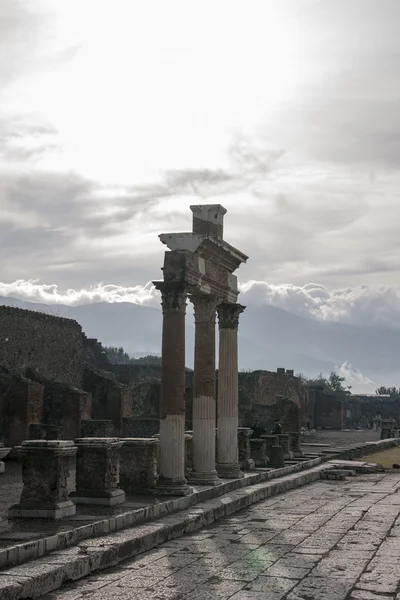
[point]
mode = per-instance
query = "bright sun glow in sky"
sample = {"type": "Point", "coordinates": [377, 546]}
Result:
{"type": "Point", "coordinates": [158, 85]}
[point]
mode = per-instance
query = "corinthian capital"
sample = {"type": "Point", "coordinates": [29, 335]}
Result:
{"type": "Point", "coordinates": [228, 315]}
{"type": "Point", "coordinates": [173, 296]}
{"type": "Point", "coordinates": [204, 308]}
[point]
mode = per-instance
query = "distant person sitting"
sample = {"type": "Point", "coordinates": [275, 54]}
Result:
{"type": "Point", "coordinates": [258, 430]}
{"type": "Point", "coordinates": [277, 428]}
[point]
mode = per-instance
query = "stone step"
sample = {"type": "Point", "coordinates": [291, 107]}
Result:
{"type": "Point", "coordinates": [44, 575]}
{"type": "Point", "coordinates": [338, 474]}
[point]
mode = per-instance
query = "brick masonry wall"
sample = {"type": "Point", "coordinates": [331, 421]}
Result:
{"type": "Point", "coordinates": [328, 411]}
{"type": "Point", "coordinates": [262, 387]}
{"type": "Point", "coordinates": [50, 347]}
{"type": "Point", "coordinates": [21, 404]}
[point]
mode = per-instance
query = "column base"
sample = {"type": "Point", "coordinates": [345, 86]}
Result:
{"type": "Point", "coordinates": [248, 465]}
{"type": "Point", "coordinates": [56, 511]}
{"type": "Point", "coordinates": [209, 478]}
{"type": "Point", "coordinates": [103, 498]}
{"type": "Point", "coordinates": [229, 471]}
{"type": "Point", "coordinates": [171, 487]}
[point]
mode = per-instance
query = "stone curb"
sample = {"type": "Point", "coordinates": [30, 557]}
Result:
{"type": "Point", "coordinates": [49, 573]}
{"type": "Point", "coordinates": [20, 553]}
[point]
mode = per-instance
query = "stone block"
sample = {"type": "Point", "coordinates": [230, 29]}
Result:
{"type": "Point", "coordinates": [96, 429]}
{"type": "Point", "coordinates": [258, 449]}
{"type": "Point", "coordinates": [41, 431]}
{"type": "Point", "coordinates": [276, 459]}
{"type": "Point", "coordinates": [138, 464]}
{"type": "Point", "coordinates": [97, 472]}
{"type": "Point", "coordinates": [245, 461]}
{"type": "Point", "coordinates": [270, 441]}
{"type": "Point", "coordinates": [140, 427]}
{"type": "Point", "coordinates": [3, 453]}
{"type": "Point", "coordinates": [45, 471]}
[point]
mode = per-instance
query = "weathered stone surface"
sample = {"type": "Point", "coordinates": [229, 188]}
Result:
{"type": "Point", "coordinates": [41, 431]}
{"type": "Point", "coordinates": [97, 471]}
{"type": "Point", "coordinates": [258, 449]}
{"type": "Point", "coordinates": [138, 464]}
{"type": "Point", "coordinates": [97, 429]}
{"type": "Point", "coordinates": [45, 470]}
{"type": "Point", "coordinates": [245, 460]}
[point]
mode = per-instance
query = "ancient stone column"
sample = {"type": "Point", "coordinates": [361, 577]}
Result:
{"type": "Point", "coordinates": [204, 409]}
{"type": "Point", "coordinates": [171, 480]}
{"type": "Point", "coordinates": [228, 392]}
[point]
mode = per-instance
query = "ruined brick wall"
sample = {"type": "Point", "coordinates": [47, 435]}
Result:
{"type": "Point", "coordinates": [47, 346]}
{"type": "Point", "coordinates": [262, 387]}
{"type": "Point", "coordinates": [328, 411]}
{"type": "Point", "coordinates": [21, 404]}
{"type": "Point", "coordinates": [284, 409]}
{"type": "Point", "coordinates": [95, 355]}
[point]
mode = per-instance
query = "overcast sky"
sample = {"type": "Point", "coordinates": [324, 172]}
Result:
{"type": "Point", "coordinates": [116, 116]}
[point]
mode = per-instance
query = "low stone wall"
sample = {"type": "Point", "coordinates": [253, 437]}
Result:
{"type": "Point", "coordinates": [136, 427]}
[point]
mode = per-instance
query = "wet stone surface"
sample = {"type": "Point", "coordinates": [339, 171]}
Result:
{"type": "Point", "coordinates": [331, 540]}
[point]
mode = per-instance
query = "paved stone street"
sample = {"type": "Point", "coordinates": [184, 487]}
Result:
{"type": "Point", "coordinates": [325, 541]}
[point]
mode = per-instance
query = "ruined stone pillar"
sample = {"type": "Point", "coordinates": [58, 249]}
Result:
{"type": "Point", "coordinates": [171, 479]}
{"type": "Point", "coordinates": [228, 392]}
{"type": "Point", "coordinates": [204, 409]}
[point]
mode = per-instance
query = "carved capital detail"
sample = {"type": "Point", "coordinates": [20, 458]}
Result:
{"type": "Point", "coordinates": [205, 308]}
{"type": "Point", "coordinates": [173, 296]}
{"type": "Point", "coordinates": [228, 315]}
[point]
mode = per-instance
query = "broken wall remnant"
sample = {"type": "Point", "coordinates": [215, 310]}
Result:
{"type": "Point", "coordinates": [21, 404]}
{"type": "Point", "coordinates": [49, 346]}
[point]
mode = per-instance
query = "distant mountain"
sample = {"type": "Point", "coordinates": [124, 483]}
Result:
{"type": "Point", "coordinates": [268, 338]}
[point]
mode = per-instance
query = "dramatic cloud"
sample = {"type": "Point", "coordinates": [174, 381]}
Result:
{"type": "Point", "coordinates": [294, 130]}
{"type": "Point", "coordinates": [354, 377]}
{"type": "Point", "coordinates": [364, 306]}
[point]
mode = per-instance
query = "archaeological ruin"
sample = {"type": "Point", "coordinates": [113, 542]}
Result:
{"type": "Point", "coordinates": [90, 432]}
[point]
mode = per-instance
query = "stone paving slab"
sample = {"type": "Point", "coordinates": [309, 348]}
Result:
{"type": "Point", "coordinates": [25, 539]}
{"type": "Point", "coordinates": [48, 573]}
{"type": "Point", "coordinates": [217, 562]}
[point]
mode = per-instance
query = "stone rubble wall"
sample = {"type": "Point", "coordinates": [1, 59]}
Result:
{"type": "Point", "coordinates": [49, 346]}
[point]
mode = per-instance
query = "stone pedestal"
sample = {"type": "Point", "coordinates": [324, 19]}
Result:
{"type": "Point", "coordinates": [138, 464]}
{"type": "Point", "coordinates": [228, 392]}
{"type": "Point", "coordinates": [45, 471]}
{"type": "Point", "coordinates": [245, 461]}
{"type": "Point", "coordinates": [40, 431]}
{"type": "Point", "coordinates": [188, 453]}
{"type": "Point", "coordinates": [295, 443]}
{"type": "Point", "coordinates": [276, 460]}
{"type": "Point", "coordinates": [258, 449]}
{"type": "Point", "coordinates": [3, 454]}
{"type": "Point", "coordinates": [284, 442]}
{"type": "Point", "coordinates": [204, 409]}
{"type": "Point", "coordinates": [270, 441]}
{"type": "Point", "coordinates": [172, 481]}
{"type": "Point", "coordinates": [97, 472]}
{"type": "Point", "coordinates": [96, 429]}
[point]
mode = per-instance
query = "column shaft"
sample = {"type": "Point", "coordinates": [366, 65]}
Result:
{"type": "Point", "coordinates": [204, 409]}
{"type": "Point", "coordinates": [171, 479]}
{"type": "Point", "coordinates": [228, 392]}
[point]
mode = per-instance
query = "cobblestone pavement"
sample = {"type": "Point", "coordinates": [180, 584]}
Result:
{"type": "Point", "coordinates": [329, 540]}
